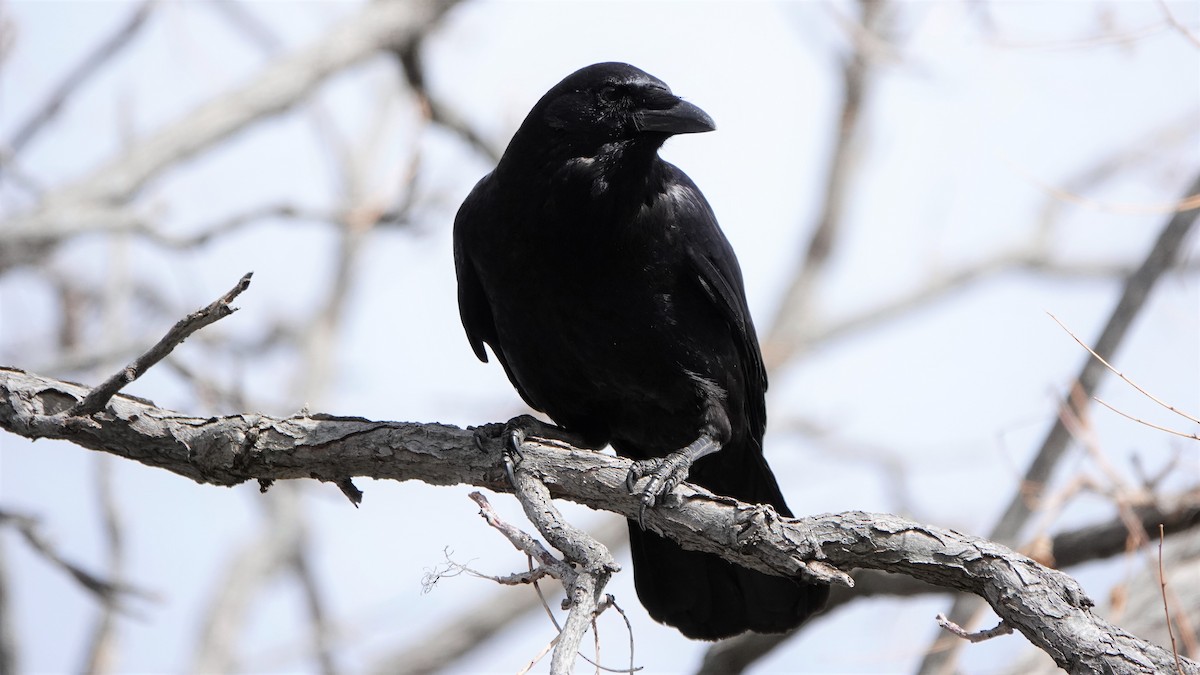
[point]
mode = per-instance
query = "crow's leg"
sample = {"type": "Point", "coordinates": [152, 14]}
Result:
{"type": "Point", "coordinates": [667, 472]}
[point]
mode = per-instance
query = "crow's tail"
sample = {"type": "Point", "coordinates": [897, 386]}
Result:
{"type": "Point", "coordinates": [708, 598]}
{"type": "Point", "coordinates": [703, 595]}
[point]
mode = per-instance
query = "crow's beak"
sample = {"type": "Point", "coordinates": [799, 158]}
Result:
{"type": "Point", "coordinates": [679, 118]}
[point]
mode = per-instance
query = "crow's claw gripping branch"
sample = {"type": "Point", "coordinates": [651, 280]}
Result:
{"type": "Point", "coordinates": [514, 434]}
{"type": "Point", "coordinates": [665, 473]}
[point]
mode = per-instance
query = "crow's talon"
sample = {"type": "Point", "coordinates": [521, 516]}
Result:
{"type": "Point", "coordinates": [514, 437]}
{"type": "Point", "coordinates": [509, 466]}
{"type": "Point", "coordinates": [656, 485]}
{"type": "Point", "coordinates": [635, 474]}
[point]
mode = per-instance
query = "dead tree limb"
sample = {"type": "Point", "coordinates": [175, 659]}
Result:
{"type": "Point", "coordinates": [1164, 254]}
{"type": "Point", "coordinates": [1048, 607]}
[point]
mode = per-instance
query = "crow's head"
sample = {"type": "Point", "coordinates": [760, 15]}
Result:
{"type": "Point", "coordinates": [606, 107]}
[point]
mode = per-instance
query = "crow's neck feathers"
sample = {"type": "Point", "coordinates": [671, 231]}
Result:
{"type": "Point", "coordinates": [614, 177]}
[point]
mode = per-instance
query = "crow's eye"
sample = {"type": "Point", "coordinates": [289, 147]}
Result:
{"type": "Point", "coordinates": [609, 93]}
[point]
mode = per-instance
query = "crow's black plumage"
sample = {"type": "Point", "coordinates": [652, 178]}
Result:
{"type": "Point", "coordinates": [597, 274]}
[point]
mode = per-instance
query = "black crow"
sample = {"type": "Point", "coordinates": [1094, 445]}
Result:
{"type": "Point", "coordinates": [597, 274]}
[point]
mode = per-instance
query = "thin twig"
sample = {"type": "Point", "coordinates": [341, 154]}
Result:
{"type": "Point", "coordinates": [522, 541]}
{"type": "Point", "coordinates": [571, 579]}
{"type": "Point", "coordinates": [434, 109]}
{"type": "Point", "coordinates": [979, 636]}
{"type": "Point", "coordinates": [539, 656]}
{"type": "Point", "coordinates": [1121, 375]}
{"type": "Point", "coordinates": [1162, 584]}
{"type": "Point", "coordinates": [1128, 37]}
{"type": "Point", "coordinates": [1178, 25]}
{"type": "Point", "coordinates": [218, 309]}
{"type": "Point", "coordinates": [1195, 437]}
{"type": "Point", "coordinates": [628, 629]}
{"type": "Point", "coordinates": [1185, 203]}
{"type": "Point", "coordinates": [442, 644]}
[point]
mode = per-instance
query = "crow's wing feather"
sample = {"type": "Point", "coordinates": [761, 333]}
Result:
{"type": "Point", "coordinates": [716, 267]}
{"type": "Point", "coordinates": [474, 309]}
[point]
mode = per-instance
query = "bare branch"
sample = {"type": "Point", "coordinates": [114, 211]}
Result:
{"type": "Point", "coordinates": [95, 199]}
{"type": "Point", "coordinates": [1178, 25]}
{"type": "Point", "coordinates": [1094, 542]}
{"type": "Point", "coordinates": [583, 595]}
{"type": "Point", "coordinates": [215, 311]}
{"type": "Point", "coordinates": [1162, 584]}
{"type": "Point", "coordinates": [103, 589]}
{"type": "Point", "coordinates": [523, 542]}
{"type": "Point", "coordinates": [435, 109]}
{"type": "Point", "coordinates": [1194, 437]}
{"type": "Point", "coordinates": [1162, 256]}
{"type": "Point", "coordinates": [584, 573]}
{"type": "Point", "coordinates": [233, 449]}
{"type": "Point", "coordinates": [437, 648]}
{"type": "Point", "coordinates": [1108, 539]}
{"type": "Point", "coordinates": [782, 341]}
{"type": "Point", "coordinates": [955, 629]}
{"type": "Point", "coordinates": [595, 565]}
{"type": "Point", "coordinates": [1121, 375]}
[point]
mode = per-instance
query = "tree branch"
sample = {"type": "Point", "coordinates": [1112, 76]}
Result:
{"type": "Point", "coordinates": [93, 200]}
{"type": "Point", "coordinates": [1165, 252]}
{"type": "Point", "coordinates": [787, 328]}
{"type": "Point", "coordinates": [95, 400]}
{"type": "Point", "coordinates": [1066, 549]}
{"type": "Point", "coordinates": [439, 646]}
{"type": "Point", "coordinates": [1046, 606]}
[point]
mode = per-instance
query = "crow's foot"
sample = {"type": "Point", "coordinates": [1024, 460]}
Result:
{"type": "Point", "coordinates": [665, 473]}
{"type": "Point", "coordinates": [514, 433]}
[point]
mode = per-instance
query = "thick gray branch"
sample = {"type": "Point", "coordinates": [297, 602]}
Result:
{"type": "Point", "coordinates": [1047, 606]}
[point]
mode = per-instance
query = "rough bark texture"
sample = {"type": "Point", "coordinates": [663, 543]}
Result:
{"type": "Point", "coordinates": [1048, 607]}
